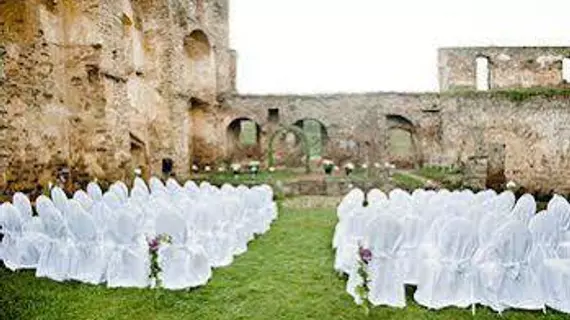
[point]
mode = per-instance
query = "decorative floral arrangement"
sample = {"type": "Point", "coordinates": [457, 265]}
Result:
{"type": "Point", "coordinates": [328, 166]}
{"type": "Point", "coordinates": [348, 168]}
{"type": "Point", "coordinates": [236, 167]}
{"type": "Point", "coordinates": [153, 246]}
{"type": "Point", "coordinates": [365, 258]}
{"type": "Point", "coordinates": [254, 167]}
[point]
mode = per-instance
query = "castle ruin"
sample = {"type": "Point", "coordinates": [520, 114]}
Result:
{"type": "Point", "coordinates": [104, 86]}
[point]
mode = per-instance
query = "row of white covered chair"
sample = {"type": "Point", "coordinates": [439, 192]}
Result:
{"type": "Point", "coordinates": [459, 248]}
{"type": "Point", "coordinates": [101, 237]}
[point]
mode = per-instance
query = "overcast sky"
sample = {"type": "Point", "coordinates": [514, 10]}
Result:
{"type": "Point", "coordinates": [304, 46]}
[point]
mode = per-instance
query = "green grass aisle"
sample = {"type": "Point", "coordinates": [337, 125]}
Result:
{"type": "Point", "coordinates": [286, 274]}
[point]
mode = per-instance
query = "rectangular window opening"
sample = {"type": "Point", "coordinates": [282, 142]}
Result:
{"type": "Point", "coordinates": [273, 115]}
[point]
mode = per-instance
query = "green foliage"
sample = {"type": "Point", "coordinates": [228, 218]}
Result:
{"type": "Point", "coordinates": [438, 173]}
{"type": "Point", "coordinates": [448, 177]}
{"type": "Point", "coordinates": [247, 178]}
{"type": "Point", "coordinates": [363, 290]}
{"type": "Point", "coordinates": [248, 133]}
{"type": "Point", "coordinates": [515, 95]}
{"type": "Point", "coordinates": [407, 182]}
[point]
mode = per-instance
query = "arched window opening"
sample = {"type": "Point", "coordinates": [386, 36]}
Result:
{"type": "Point", "coordinates": [317, 136]}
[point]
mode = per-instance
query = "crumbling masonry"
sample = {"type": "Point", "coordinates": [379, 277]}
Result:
{"type": "Point", "coordinates": [103, 86]}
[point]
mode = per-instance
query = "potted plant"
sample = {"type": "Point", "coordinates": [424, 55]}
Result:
{"type": "Point", "coordinates": [254, 167]}
{"type": "Point", "coordinates": [328, 166]}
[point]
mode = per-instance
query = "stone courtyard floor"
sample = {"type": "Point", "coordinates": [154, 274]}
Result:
{"type": "Point", "coordinates": [285, 274]}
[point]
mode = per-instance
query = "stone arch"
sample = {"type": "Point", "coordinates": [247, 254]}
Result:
{"type": "Point", "coordinates": [316, 133]}
{"type": "Point", "coordinates": [243, 139]}
{"type": "Point", "coordinates": [202, 70]}
{"type": "Point", "coordinates": [401, 141]}
{"type": "Point", "coordinates": [300, 134]}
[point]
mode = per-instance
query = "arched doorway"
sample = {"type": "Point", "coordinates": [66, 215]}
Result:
{"type": "Point", "coordinates": [316, 134]}
{"type": "Point", "coordinates": [202, 77]}
{"type": "Point", "coordinates": [401, 142]}
{"type": "Point", "coordinates": [299, 135]}
{"type": "Point", "coordinates": [243, 139]}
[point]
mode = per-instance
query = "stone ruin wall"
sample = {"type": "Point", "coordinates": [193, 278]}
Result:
{"type": "Point", "coordinates": [81, 82]}
{"type": "Point", "coordinates": [509, 67]}
{"type": "Point", "coordinates": [101, 86]}
{"type": "Point", "coordinates": [449, 128]}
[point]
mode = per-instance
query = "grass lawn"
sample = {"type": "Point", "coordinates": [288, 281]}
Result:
{"type": "Point", "coordinates": [286, 274]}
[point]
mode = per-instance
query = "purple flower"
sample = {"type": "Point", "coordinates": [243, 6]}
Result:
{"type": "Point", "coordinates": [153, 244]}
{"type": "Point", "coordinates": [365, 255]}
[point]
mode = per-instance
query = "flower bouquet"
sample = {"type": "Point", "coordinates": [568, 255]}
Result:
{"type": "Point", "coordinates": [154, 245]}
{"type": "Point", "coordinates": [365, 258]}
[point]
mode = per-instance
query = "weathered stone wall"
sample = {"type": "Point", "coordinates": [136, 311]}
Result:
{"type": "Point", "coordinates": [449, 128]}
{"type": "Point", "coordinates": [356, 124]}
{"type": "Point", "coordinates": [534, 131]}
{"type": "Point", "coordinates": [82, 80]}
{"type": "Point", "coordinates": [101, 86]}
{"type": "Point", "coordinates": [509, 67]}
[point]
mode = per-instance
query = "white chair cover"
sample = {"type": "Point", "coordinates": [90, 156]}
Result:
{"type": "Point", "coordinates": [83, 198]}
{"type": "Point", "coordinates": [525, 209]}
{"type": "Point", "coordinates": [22, 203]}
{"type": "Point", "coordinates": [129, 264]}
{"type": "Point", "coordinates": [448, 279]}
{"type": "Point", "coordinates": [94, 191]}
{"type": "Point", "coordinates": [556, 284]}
{"type": "Point", "coordinates": [59, 198]}
{"type": "Point", "coordinates": [384, 238]}
{"type": "Point", "coordinates": [508, 281]}
{"type": "Point", "coordinates": [88, 259]}
{"type": "Point", "coordinates": [182, 266]}
{"type": "Point", "coordinates": [12, 222]}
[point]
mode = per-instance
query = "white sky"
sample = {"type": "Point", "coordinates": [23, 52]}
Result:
{"type": "Point", "coordinates": [309, 46]}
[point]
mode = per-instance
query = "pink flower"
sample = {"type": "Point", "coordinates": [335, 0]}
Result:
{"type": "Point", "coordinates": [365, 255]}
{"type": "Point", "coordinates": [153, 244]}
